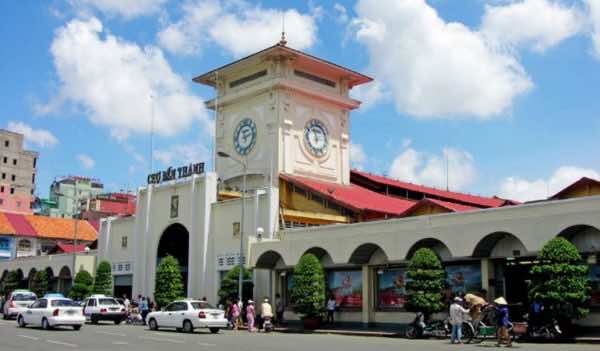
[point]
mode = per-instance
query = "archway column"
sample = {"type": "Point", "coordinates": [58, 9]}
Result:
{"type": "Point", "coordinates": [368, 316]}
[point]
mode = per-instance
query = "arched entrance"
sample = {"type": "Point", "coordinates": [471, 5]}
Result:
{"type": "Point", "coordinates": [30, 278]}
{"type": "Point", "coordinates": [52, 280]}
{"type": "Point", "coordinates": [437, 246]}
{"type": "Point", "coordinates": [23, 282]}
{"type": "Point", "coordinates": [64, 280]}
{"type": "Point", "coordinates": [586, 238]}
{"type": "Point", "coordinates": [175, 241]}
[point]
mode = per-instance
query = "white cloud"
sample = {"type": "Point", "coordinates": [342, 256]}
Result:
{"type": "Point", "coordinates": [125, 8]}
{"type": "Point", "coordinates": [527, 190]}
{"type": "Point", "coordinates": [86, 161]}
{"type": "Point", "coordinates": [436, 68]}
{"type": "Point", "coordinates": [370, 94]}
{"type": "Point", "coordinates": [594, 18]}
{"type": "Point", "coordinates": [40, 137]}
{"type": "Point", "coordinates": [182, 154]}
{"type": "Point", "coordinates": [430, 169]}
{"type": "Point", "coordinates": [341, 13]}
{"type": "Point", "coordinates": [113, 80]}
{"type": "Point", "coordinates": [357, 156]}
{"type": "Point", "coordinates": [539, 24]}
{"type": "Point", "coordinates": [239, 27]}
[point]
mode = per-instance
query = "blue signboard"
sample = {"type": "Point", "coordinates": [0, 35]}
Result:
{"type": "Point", "coordinates": [6, 248]}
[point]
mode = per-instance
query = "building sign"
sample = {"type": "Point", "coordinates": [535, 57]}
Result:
{"type": "Point", "coordinates": [228, 261]}
{"type": "Point", "coordinates": [119, 268]}
{"type": "Point", "coordinates": [173, 173]}
{"type": "Point", "coordinates": [6, 245]}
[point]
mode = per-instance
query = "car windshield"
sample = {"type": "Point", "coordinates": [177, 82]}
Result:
{"type": "Point", "coordinates": [201, 305]}
{"type": "Point", "coordinates": [63, 303]}
{"type": "Point", "coordinates": [24, 297]}
{"type": "Point", "coordinates": [105, 302]}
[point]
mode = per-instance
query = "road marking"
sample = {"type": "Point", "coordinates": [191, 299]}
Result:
{"type": "Point", "coordinates": [28, 337]}
{"type": "Point", "coordinates": [206, 344]}
{"type": "Point", "coordinates": [120, 343]}
{"type": "Point", "coordinates": [161, 339]}
{"type": "Point", "coordinates": [111, 333]}
{"type": "Point", "coordinates": [61, 343]}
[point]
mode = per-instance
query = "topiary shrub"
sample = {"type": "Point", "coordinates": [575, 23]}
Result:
{"type": "Point", "coordinates": [230, 285]}
{"type": "Point", "coordinates": [169, 283]}
{"type": "Point", "coordinates": [11, 282]}
{"type": "Point", "coordinates": [560, 281]}
{"type": "Point", "coordinates": [308, 291]}
{"type": "Point", "coordinates": [103, 281]}
{"type": "Point", "coordinates": [82, 285]}
{"type": "Point", "coordinates": [39, 284]}
{"type": "Point", "coordinates": [425, 283]}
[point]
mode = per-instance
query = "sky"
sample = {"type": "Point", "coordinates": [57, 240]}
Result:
{"type": "Point", "coordinates": [490, 97]}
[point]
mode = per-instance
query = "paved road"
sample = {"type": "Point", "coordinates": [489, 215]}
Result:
{"type": "Point", "coordinates": [135, 338]}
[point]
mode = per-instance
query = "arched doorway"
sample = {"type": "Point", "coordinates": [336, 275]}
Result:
{"type": "Point", "coordinates": [30, 277]}
{"type": "Point", "coordinates": [437, 246]}
{"type": "Point", "coordinates": [52, 280]}
{"type": "Point", "coordinates": [175, 241]}
{"type": "Point", "coordinates": [23, 282]}
{"type": "Point", "coordinates": [64, 280]}
{"type": "Point", "coordinates": [586, 238]}
{"type": "Point", "coordinates": [365, 253]}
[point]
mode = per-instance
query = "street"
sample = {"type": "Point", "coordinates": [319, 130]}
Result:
{"type": "Point", "coordinates": [136, 338]}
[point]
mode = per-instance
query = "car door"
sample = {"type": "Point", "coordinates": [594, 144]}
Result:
{"type": "Point", "coordinates": [28, 315]}
{"type": "Point", "coordinates": [38, 312]}
{"type": "Point", "coordinates": [179, 313]}
{"type": "Point", "coordinates": [162, 316]}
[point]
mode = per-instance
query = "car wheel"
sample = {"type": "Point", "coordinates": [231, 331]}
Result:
{"type": "Point", "coordinates": [152, 324]}
{"type": "Point", "coordinates": [76, 327]}
{"type": "Point", "coordinates": [21, 322]}
{"type": "Point", "coordinates": [94, 320]}
{"type": "Point", "coordinates": [117, 322]}
{"type": "Point", "coordinates": [188, 327]}
{"type": "Point", "coordinates": [4, 316]}
{"type": "Point", "coordinates": [45, 324]}
{"type": "Point", "coordinates": [214, 330]}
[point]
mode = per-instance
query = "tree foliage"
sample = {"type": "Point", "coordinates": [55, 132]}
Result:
{"type": "Point", "coordinates": [560, 280]}
{"type": "Point", "coordinates": [169, 283]}
{"type": "Point", "coordinates": [82, 285]}
{"type": "Point", "coordinates": [425, 282]}
{"type": "Point", "coordinates": [11, 282]}
{"type": "Point", "coordinates": [39, 284]}
{"type": "Point", "coordinates": [230, 285]}
{"type": "Point", "coordinates": [308, 291]}
{"type": "Point", "coordinates": [103, 280]}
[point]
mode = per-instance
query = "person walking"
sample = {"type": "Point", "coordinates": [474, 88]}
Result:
{"type": "Point", "coordinates": [457, 317]}
{"type": "Point", "coordinates": [279, 309]}
{"type": "Point", "coordinates": [144, 308]}
{"type": "Point", "coordinates": [331, 305]}
{"type": "Point", "coordinates": [502, 321]}
{"type": "Point", "coordinates": [235, 314]}
{"type": "Point", "coordinates": [250, 316]}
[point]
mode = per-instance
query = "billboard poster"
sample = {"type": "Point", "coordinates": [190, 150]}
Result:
{"type": "Point", "coordinates": [6, 248]}
{"type": "Point", "coordinates": [594, 275]}
{"type": "Point", "coordinates": [346, 287]}
{"type": "Point", "coordinates": [391, 289]}
{"type": "Point", "coordinates": [463, 278]}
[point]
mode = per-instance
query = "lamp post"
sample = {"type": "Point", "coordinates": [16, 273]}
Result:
{"type": "Point", "coordinates": [241, 260]}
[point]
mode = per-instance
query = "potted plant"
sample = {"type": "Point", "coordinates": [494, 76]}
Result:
{"type": "Point", "coordinates": [308, 291]}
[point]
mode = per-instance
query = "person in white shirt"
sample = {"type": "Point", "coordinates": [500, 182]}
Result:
{"type": "Point", "coordinates": [331, 305]}
{"type": "Point", "coordinates": [457, 317]}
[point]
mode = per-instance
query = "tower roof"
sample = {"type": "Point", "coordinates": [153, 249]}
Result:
{"type": "Point", "coordinates": [281, 50]}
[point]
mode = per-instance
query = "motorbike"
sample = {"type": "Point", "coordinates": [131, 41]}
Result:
{"type": "Point", "coordinates": [549, 330]}
{"type": "Point", "coordinates": [420, 329]}
{"type": "Point", "coordinates": [267, 325]}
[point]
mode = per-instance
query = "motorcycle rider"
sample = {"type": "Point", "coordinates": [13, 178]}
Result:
{"type": "Point", "coordinates": [266, 314]}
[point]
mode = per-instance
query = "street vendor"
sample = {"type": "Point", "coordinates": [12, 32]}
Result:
{"type": "Point", "coordinates": [475, 302]}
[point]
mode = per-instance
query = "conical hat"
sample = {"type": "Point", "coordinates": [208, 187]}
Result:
{"type": "Point", "coordinates": [500, 301]}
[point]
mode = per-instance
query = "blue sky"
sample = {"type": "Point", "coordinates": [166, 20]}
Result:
{"type": "Point", "coordinates": [503, 93]}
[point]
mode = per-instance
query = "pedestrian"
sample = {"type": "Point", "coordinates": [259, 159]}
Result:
{"type": "Point", "coordinates": [475, 303]}
{"type": "Point", "coordinates": [331, 305]}
{"type": "Point", "coordinates": [250, 315]}
{"type": "Point", "coordinates": [126, 302]}
{"type": "Point", "coordinates": [235, 314]}
{"type": "Point", "coordinates": [502, 321]}
{"type": "Point", "coordinates": [457, 317]}
{"type": "Point", "coordinates": [279, 309]}
{"type": "Point", "coordinates": [266, 311]}
{"type": "Point", "coordinates": [144, 308]}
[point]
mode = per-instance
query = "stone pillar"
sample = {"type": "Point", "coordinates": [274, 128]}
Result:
{"type": "Point", "coordinates": [366, 295]}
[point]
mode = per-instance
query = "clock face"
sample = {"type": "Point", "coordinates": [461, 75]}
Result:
{"type": "Point", "coordinates": [244, 137]}
{"type": "Point", "coordinates": [316, 138]}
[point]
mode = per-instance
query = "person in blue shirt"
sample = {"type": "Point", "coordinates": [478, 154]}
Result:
{"type": "Point", "coordinates": [502, 321]}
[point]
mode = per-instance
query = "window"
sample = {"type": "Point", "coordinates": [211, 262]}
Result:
{"type": "Point", "coordinates": [107, 302]}
{"type": "Point", "coordinates": [3, 175]}
{"type": "Point", "coordinates": [6, 143]}
{"type": "Point", "coordinates": [34, 161]}
{"type": "Point", "coordinates": [174, 206]}
{"type": "Point", "coordinates": [236, 229]}
{"type": "Point", "coordinates": [33, 178]}
{"type": "Point", "coordinates": [63, 303]}
{"type": "Point", "coordinates": [2, 189]}
{"type": "Point", "coordinates": [124, 242]}
{"type": "Point", "coordinates": [314, 78]}
{"type": "Point", "coordinates": [92, 302]}
{"type": "Point", "coordinates": [14, 161]}
{"type": "Point", "coordinates": [247, 79]}
{"type": "Point", "coordinates": [13, 177]}
{"type": "Point", "coordinates": [24, 245]}
{"type": "Point", "coordinates": [18, 204]}
{"type": "Point", "coordinates": [43, 303]}
{"type": "Point", "coordinates": [5, 159]}
{"type": "Point", "coordinates": [12, 191]}
{"type": "Point", "coordinates": [1, 201]}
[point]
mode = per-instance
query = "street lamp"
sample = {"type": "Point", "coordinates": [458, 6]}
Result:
{"type": "Point", "coordinates": [241, 261]}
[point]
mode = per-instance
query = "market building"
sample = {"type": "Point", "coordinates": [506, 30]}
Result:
{"type": "Point", "coordinates": [283, 183]}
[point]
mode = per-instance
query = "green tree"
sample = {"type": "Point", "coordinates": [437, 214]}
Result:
{"type": "Point", "coordinates": [82, 285]}
{"type": "Point", "coordinates": [425, 283]}
{"type": "Point", "coordinates": [39, 284]}
{"type": "Point", "coordinates": [169, 283]}
{"type": "Point", "coordinates": [11, 282]}
{"type": "Point", "coordinates": [230, 285]}
{"type": "Point", "coordinates": [308, 291]}
{"type": "Point", "coordinates": [103, 280]}
{"type": "Point", "coordinates": [560, 280]}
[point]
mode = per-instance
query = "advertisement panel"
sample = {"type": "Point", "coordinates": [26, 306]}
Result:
{"type": "Point", "coordinates": [391, 289]}
{"type": "Point", "coordinates": [594, 275]}
{"type": "Point", "coordinates": [346, 287]}
{"type": "Point", "coordinates": [463, 278]}
{"type": "Point", "coordinates": [6, 248]}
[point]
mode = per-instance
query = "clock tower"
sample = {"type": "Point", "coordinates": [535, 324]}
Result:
{"type": "Point", "coordinates": [281, 110]}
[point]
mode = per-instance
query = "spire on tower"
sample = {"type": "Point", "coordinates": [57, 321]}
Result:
{"type": "Point", "coordinates": [283, 42]}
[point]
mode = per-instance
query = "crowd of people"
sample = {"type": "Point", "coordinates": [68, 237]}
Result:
{"type": "Point", "coordinates": [239, 313]}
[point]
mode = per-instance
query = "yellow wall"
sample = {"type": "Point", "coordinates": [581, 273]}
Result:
{"type": "Point", "coordinates": [582, 190]}
{"type": "Point", "coordinates": [295, 201]}
{"type": "Point", "coordinates": [428, 210]}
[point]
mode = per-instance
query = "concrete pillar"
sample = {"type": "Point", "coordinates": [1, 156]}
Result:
{"type": "Point", "coordinates": [485, 273]}
{"type": "Point", "coordinates": [366, 295]}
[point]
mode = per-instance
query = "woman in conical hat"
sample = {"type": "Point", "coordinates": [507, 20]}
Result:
{"type": "Point", "coordinates": [502, 321]}
{"type": "Point", "coordinates": [501, 301]}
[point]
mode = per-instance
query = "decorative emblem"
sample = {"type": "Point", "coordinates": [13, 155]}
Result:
{"type": "Point", "coordinates": [316, 138]}
{"type": "Point", "coordinates": [244, 137]}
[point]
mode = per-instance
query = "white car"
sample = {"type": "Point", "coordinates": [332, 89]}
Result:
{"type": "Point", "coordinates": [103, 308]}
{"type": "Point", "coordinates": [17, 302]}
{"type": "Point", "coordinates": [49, 312]}
{"type": "Point", "coordinates": [187, 315]}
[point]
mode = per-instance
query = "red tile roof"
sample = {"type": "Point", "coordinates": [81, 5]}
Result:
{"type": "Point", "coordinates": [352, 196]}
{"type": "Point", "coordinates": [69, 248]}
{"type": "Point", "coordinates": [5, 227]}
{"type": "Point", "coordinates": [450, 206]}
{"type": "Point", "coordinates": [21, 225]}
{"type": "Point", "coordinates": [474, 200]}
